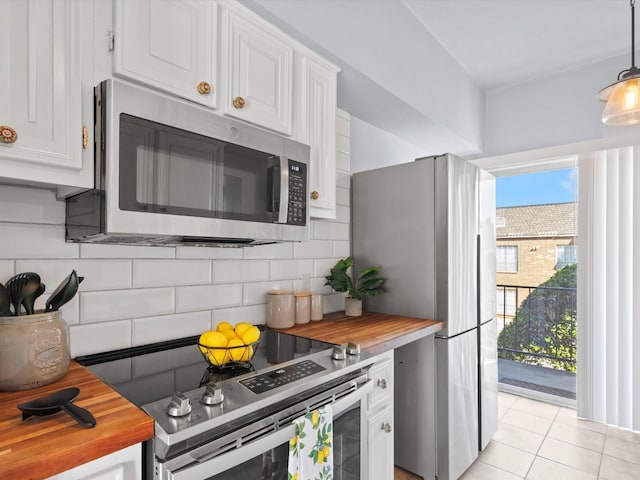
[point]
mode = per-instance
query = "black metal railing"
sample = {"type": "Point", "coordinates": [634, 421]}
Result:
{"type": "Point", "coordinates": [537, 325]}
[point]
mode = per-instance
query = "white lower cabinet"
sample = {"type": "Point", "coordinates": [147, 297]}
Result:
{"type": "Point", "coordinates": [380, 428]}
{"type": "Point", "coordinates": [125, 464]}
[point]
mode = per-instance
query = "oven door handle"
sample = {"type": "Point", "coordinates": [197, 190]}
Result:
{"type": "Point", "coordinates": [238, 456]}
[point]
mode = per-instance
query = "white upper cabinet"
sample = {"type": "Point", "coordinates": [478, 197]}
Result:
{"type": "Point", "coordinates": [256, 69]}
{"type": "Point", "coordinates": [168, 44]}
{"type": "Point", "coordinates": [316, 126]}
{"type": "Point", "coordinates": [41, 99]}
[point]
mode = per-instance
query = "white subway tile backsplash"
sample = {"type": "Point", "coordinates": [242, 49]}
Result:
{"type": "Point", "coordinates": [343, 123]}
{"type": "Point", "coordinates": [119, 304]}
{"type": "Point", "coordinates": [343, 196]}
{"type": "Point", "coordinates": [206, 297]}
{"type": "Point", "coordinates": [343, 214]}
{"type": "Point", "coordinates": [240, 271]}
{"type": "Point", "coordinates": [322, 268]}
{"type": "Point", "coordinates": [290, 269]}
{"type": "Point", "coordinates": [7, 270]}
{"type": "Point", "coordinates": [34, 241]}
{"type": "Point", "coordinates": [333, 303]}
{"type": "Point", "coordinates": [99, 337]}
{"type": "Point", "coordinates": [343, 180]}
{"type": "Point", "coordinates": [98, 274]}
{"type": "Point", "coordinates": [91, 250]}
{"type": "Point", "coordinates": [318, 286]}
{"type": "Point", "coordinates": [342, 143]}
{"type": "Point", "coordinates": [165, 273]}
{"type": "Point", "coordinates": [254, 314]}
{"type": "Point", "coordinates": [34, 205]}
{"type": "Point", "coordinates": [209, 253]}
{"type": "Point", "coordinates": [256, 293]}
{"type": "Point", "coordinates": [341, 249]}
{"type": "Point", "coordinates": [343, 162]}
{"type": "Point", "coordinates": [275, 250]}
{"type": "Point", "coordinates": [313, 249]}
{"type": "Point", "coordinates": [331, 231]}
{"type": "Point", "coordinates": [168, 327]}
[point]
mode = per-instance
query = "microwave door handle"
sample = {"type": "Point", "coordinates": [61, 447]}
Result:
{"type": "Point", "coordinates": [283, 211]}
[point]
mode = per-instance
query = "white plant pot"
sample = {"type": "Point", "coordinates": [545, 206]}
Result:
{"type": "Point", "coordinates": [352, 307]}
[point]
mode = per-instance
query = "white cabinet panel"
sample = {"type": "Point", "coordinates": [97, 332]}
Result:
{"type": "Point", "coordinates": [380, 440]}
{"type": "Point", "coordinates": [41, 95]}
{"type": "Point", "coordinates": [125, 464]}
{"type": "Point", "coordinates": [257, 64]}
{"type": "Point", "coordinates": [316, 126]}
{"type": "Point", "coordinates": [168, 44]}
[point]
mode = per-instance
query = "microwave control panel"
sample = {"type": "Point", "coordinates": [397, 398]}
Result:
{"type": "Point", "coordinates": [297, 209]}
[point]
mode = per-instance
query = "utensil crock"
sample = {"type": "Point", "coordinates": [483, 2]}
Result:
{"type": "Point", "coordinates": [34, 350]}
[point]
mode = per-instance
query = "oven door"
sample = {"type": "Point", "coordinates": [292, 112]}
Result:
{"type": "Point", "coordinates": [267, 457]}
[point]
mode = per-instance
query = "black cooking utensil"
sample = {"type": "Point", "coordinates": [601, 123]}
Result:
{"type": "Point", "coordinates": [5, 302]}
{"type": "Point", "coordinates": [30, 299]}
{"type": "Point", "coordinates": [20, 286]}
{"type": "Point", "coordinates": [63, 292]}
{"type": "Point", "coordinates": [60, 400]}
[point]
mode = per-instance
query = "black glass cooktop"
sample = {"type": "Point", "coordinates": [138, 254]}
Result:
{"type": "Point", "coordinates": [152, 372]}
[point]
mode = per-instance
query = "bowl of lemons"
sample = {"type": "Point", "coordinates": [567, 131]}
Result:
{"type": "Point", "coordinates": [228, 345]}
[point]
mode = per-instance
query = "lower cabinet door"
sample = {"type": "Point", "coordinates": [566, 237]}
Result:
{"type": "Point", "coordinates": [380, 445]}
{"type": "Point", "coordinates": [125, 464]}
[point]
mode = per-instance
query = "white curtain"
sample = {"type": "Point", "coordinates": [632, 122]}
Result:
{"type": "Point", "coordinates": [609, 287]}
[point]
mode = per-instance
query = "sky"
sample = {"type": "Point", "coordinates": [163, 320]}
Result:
{"type": "Point", "coordinates": [557, 186]}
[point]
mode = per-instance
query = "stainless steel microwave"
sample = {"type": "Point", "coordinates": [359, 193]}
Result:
{"type": "Point", "coordinates": [172, 173]}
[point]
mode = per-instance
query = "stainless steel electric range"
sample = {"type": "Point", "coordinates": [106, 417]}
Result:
{"type": "Point", "coordinates": [232, 423]}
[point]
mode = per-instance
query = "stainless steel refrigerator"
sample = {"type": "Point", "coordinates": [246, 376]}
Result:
{"type": "Point", "coordinates": [430, 224]}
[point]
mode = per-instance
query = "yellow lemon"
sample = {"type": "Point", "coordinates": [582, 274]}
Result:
{"type": "Point", "coordinates": [247, 354]}
{"type": "Point", "coordinates": [241, 327]}
{"type": "Point", "coordinates": [218, 356]}
{"type": "Point", "coordinates": [320, 457]}
{"type": "Point", "coordinates": [315, 418]}
{"type": "Point", "coordinates": [236, 353]}
{"type": "Point", "coordinates": [210, 339]}
{"type": "Point", "coordinates": [229, 334]}
{"type": "Point", "coordinates": [250, 335]}
{"type": "Point", "coordinates": [325, 451]}
{"type": "Point", "coordinates": [224, 326]}
{"type": "Point", "coordinates": [294, 441]}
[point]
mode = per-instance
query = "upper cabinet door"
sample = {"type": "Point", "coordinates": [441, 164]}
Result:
{"type": "Point", "coordinates": [256, 60]}
{"type": "Point", "coordinates": [168, 44]}
{"type": "Point", "coordinates": [41, 110]}
{"type": "Point", "coordinates": [316, 127]}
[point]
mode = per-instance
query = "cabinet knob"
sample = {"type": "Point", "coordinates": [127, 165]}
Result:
{"type": "Point", "coordinates": [386, 427]}
{"type": "Point", "coordinates": [7, 134]}
{"type": "Point", "coordinates": [204, 88]}
{"type": "Point", "coordinates": [315, 195]}
{"type": "Point", "coordinates": [382, 383]}
{"type": "Point", "coordinates": [85, 138]}
{"type": "Point", "coordinates": [238, 102]}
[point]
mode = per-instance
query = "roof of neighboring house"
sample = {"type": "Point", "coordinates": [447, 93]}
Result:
{"type": "Point", "coordinates": [551, 220]}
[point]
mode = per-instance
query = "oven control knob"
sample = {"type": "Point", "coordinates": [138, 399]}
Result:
{"type": "Point", "coordinates": [339, 352]}
{"type": "Point", "coordinates": [212, 394]}
{"type": "Point", "coordinates": [179, 405]}
{"type": "Point", "coordinates": [353, 348]}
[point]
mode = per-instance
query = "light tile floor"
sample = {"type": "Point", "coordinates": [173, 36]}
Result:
{"type": "Point", "coordinates": [540, 441]}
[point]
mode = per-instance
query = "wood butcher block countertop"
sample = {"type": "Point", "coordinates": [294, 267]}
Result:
{"type": "Point", "coordinates": [375, 332]}
{"type": "Point", "coordinates": [40, 447]}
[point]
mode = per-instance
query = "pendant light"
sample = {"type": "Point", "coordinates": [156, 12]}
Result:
{"type": "Point", "coordinates": [623, 96]}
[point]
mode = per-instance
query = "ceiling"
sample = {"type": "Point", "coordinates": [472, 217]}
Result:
{"type": "Point", "coordinates": [505, 42]}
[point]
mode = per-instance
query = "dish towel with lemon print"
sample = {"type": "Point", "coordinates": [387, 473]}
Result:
{"type": "Point", "coordinates": [310, 450]}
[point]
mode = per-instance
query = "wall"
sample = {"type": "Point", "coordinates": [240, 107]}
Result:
{"type": "Point", "coordinates": [556, 110]}
{"type": "Point", "coordinates": [134, 295]}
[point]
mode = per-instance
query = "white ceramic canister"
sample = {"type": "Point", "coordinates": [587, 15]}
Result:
{"type": "Point", "coordinates": [281, 310]}
{"type": "Point", "coordinates": [303, 307]}
{"type": "Point", "coordinates": [316, 306]}
{"type": "Point", "coordinates": [34, 350]}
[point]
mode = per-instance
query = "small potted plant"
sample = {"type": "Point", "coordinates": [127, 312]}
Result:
{"type": "Point", "coordinates": [367, 284]}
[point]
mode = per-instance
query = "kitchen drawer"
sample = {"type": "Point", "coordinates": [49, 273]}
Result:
{"type": "Point", "coordinates": [382, 376]}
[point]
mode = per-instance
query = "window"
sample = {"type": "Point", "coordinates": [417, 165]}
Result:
{"type": "Point", "coordinates": [565, 255]}
{"type": "Point", "coordinates": [507, 259]}
{"type": "Point", "coordinates": [506, 301]}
